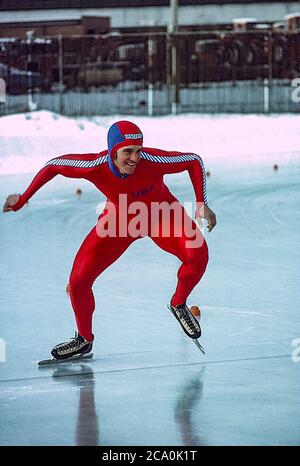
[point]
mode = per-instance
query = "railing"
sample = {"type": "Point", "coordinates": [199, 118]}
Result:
{"type": "Point", "coordinates": [155, 73]}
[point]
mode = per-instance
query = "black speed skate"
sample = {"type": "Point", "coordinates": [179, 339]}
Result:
{"type": "Point", "coordinates": [188, 322]}
{"type": "Point", "coordinates": [76, 346]}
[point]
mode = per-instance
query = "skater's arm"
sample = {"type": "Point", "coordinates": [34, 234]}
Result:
{"type": "Point", "coordinates": [176, 162]}
{"type": "Point", "coordinates": [71, 166]}
{"type": "Point", "coordinates": [16, 201]}
{"type": "Point", "coordinates": [196, 170]}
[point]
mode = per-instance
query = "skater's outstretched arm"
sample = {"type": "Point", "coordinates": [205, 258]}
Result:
{"type": "Point", "coordinates": [196, 170]}
{"type": "Point", "coordinates": [167, 162]}
{"type": "Point", "coordinates": [176, 162]}
{"type": "Point", "coordinates": [71, 166]}
{"type": "Point", "coordinates": [193, 163]}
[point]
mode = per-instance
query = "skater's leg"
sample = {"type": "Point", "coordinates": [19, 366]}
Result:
{"type": "Point", "coordinates": [191, 250]}
{"type": "Point", "coordinates": [93, 257]}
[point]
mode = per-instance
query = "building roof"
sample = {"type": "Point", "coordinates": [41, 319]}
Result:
{"type": "Point", "coordinates": [6, 5]}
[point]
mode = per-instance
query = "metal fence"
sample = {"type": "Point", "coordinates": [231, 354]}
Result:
{"type": "Point", "coordinates": [152, 74]}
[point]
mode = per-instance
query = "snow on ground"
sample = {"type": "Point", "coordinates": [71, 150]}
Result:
{"type": "Point", "coordinates": [28, 140]}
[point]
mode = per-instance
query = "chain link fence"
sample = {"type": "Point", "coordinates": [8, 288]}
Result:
{"type": "Point", "coordinates": [151, 74]}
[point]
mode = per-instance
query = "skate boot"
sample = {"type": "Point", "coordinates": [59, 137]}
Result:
{"type": "Point", "coordinates": [187, 321]}
{"type": "Point", "coordinates": [77, 345]}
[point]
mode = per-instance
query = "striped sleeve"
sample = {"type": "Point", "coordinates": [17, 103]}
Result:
{"type": "Point", "coordinates": [74, 163]}
{"type": "Point", "coordinates": [176, 162]}
{"type": "Point", "coordinates": [71, 166]}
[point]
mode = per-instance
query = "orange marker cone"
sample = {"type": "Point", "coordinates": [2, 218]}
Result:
{"type": "Point", "coordinates": [195, 310]}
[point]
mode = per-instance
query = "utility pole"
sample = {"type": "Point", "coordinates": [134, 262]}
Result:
{"type": "Point", "coordinates": [151, 53]}
{"type": "Point", "coordinates": [172, 66]}
{"type": "Point", "coordinates": [174, 15]}
{"type": "Point", "coordinates": [30, 103]}
{"type": "Point", "coordinates": [60, 73]}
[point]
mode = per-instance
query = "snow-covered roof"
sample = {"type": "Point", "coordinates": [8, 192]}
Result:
{"type": "Point", "coordinates": [244, 20]}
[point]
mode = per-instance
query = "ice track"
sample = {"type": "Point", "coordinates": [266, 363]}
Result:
{"type": "Point", "coordinates": [147, 383]}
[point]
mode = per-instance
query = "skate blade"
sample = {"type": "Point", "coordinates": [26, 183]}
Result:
{"type": "Point", "coordinates": [200, 347]}
{"type": "Point", "coordinates": [77, 357]}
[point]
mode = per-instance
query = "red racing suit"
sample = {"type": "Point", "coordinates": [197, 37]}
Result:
{"type": "Point", "coordinates": [145, 185]}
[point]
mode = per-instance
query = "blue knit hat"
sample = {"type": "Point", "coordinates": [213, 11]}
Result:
{"type": "Point", "coordinates": [123, 133]}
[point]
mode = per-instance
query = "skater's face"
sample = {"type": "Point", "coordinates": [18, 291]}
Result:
{"type": "Point", "coordinates": [127, 159]}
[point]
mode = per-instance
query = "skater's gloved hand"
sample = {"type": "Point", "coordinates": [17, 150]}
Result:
{"type": "Point", "coordinates": [11, 200]}
{"type": "Point", "coordinates": [205, 212]}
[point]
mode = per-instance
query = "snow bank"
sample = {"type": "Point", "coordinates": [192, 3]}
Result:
{"type": "Point", "coordinates": [28, 140]}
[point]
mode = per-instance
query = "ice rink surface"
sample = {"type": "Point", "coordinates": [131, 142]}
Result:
{"type": "Point", "coordinates": [147, 383]}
